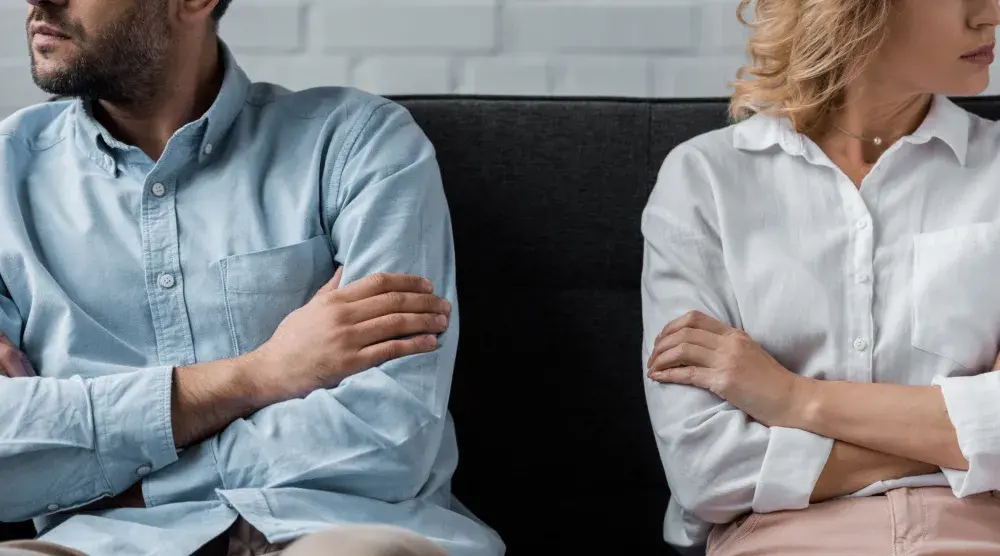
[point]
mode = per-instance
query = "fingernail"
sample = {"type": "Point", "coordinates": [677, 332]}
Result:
{"type": "Point", "coordinates": [432, 341]}
{"type": "Point", "coordinates": [446, 306]}
{"type": "Point", "coordinates": [441, 319]}
{"type": "Point", "coordinates": [428, 285]}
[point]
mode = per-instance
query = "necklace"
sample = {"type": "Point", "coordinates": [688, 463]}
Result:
{"type": "Point", "coordinates": [877, 141]}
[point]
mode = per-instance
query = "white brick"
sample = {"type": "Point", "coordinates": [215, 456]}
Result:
{"type": "Point", "coordinates": [614, 27]}
{"type": "Point", "coordinates": [264, 27]}
{"type": "Point", "coordinates": [18, 89]}
{"type": "Point", "coordinates": [507, 47]}
{"type": "Point", "coordinates": [721, 31]}
{"type": "Point", "coordinates": [454, 26]}
{"type": "Point", "coordinates": [297, 73]}
{"type": "Point", "coordinates": [13, 33]}
{"type": "Point", "coordinates": [994, 88]}
{"type": "Point", "coordinates": [505, 76]}
{"type": "Point", "coordinates": [603, 77]}
{"type": "Point", "coordinates": [695, 77]}
{"type": "Point", "coordinates": [403, 76]}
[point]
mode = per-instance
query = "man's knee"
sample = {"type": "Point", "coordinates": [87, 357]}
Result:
{"type": "Point", "coordinates": [364, 540]}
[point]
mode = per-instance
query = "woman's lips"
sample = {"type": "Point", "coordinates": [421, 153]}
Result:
{"type": "Point", "coordinates": [983, 56]}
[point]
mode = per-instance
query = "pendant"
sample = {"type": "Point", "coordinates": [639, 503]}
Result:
{"type": "Point", "coordinates": [877, 141]}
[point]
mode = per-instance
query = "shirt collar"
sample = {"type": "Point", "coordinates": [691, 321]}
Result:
{"type": "Point", "coordinates": [946, 121]}
{"type": "Point", "coordinates": [761, 132]}
{"type": "Point", "coordinates": [215, 123]}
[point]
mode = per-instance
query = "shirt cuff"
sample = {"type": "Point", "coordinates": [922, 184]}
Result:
{"type": "Point", "coordinates": [132, 423]}
{"type": "Point", "coordinates": [793, 463]}
{"type": "Point", "coordinates": [193, 478]}
{"type": "Point", "coordinates": [974, 411]}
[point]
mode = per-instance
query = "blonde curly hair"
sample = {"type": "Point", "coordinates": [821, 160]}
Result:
{"type": "Point", "coordinates": [803, 54]}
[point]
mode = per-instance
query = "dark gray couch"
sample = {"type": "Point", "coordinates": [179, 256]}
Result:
{"type": "Point", "coordinates": [557, 450]}
{"type": "Point", "coordinates": [546, 194]}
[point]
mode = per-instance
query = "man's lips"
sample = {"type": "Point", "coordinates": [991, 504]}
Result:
{"type": "Point", "coordinates": [47, 30]}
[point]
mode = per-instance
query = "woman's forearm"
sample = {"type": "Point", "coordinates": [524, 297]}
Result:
{"type": "Point", "coordinates": [907, 421]}
{"type": "Point", "coordinates": [851, 468]}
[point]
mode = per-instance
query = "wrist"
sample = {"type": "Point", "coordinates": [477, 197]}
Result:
{"type": "Point", "coordinates": [806, 404]}
{"type": "Point", "coordinates": [249, 379]}
{"type": "Point", "coordinates": [207, 397]}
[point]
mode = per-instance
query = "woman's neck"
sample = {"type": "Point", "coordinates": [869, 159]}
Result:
{"type": "Point", "coordinates": [869, 122]}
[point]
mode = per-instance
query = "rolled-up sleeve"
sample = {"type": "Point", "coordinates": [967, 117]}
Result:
{"type": "Point", "coordinates": [719, 463]}
{"type": "Point", "coordinates": [377, 434]}
{"type": "Point", "coordinates": [974, 411]}
{"type": "Point", "coordinates": [65, 443]}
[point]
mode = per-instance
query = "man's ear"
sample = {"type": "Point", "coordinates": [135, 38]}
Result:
{"type": "Point", "coordinates": [195, 11]}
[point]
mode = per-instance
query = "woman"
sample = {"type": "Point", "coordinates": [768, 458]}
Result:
{"type": "Point", "coordinates": [821, 298]}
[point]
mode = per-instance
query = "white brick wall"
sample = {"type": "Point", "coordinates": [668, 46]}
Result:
{"type": "Point", "coordinates": [536, 47]}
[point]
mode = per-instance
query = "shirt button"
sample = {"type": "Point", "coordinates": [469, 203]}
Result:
{"type": "Point", "coordinates": [143, 471]}
{"type": "Point", "coordinates": [860, 344]}
{"type": "Point", "coordinates": [166, 281]}
{"type": "Point", "coordinates": [159, 189]}
{"type": "Point", "coordinates": [863, 277]}
{"type": "Point", "coordinates": [52, 507]}
{"type": "Point", "coordinates": [208, 148]}
{"type": "Point", "coordinates": [862, 224]}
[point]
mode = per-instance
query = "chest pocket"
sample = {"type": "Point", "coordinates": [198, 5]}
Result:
{"type": "Point", "coordinates": [263, 287]}
{"type": "Point", "coordinates": [956, 294]}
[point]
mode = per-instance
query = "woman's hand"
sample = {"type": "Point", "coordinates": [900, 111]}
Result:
{"type": "Point", "coordinates": [698, 350]}
{"type": "Point", "coordinates": [13, 363]}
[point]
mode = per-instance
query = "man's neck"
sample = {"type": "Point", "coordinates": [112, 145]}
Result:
{"type": "Point", "coordinates": [189, 86]}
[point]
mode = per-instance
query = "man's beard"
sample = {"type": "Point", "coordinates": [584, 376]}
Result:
{"type": "Point", "coordinates": [124, 63]}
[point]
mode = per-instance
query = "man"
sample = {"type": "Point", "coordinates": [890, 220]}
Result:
{"type": "Point", "coordinates": [208, 384]}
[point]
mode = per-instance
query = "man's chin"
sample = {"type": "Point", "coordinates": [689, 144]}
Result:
{"type": "Point", "coordinates": [52, 82]}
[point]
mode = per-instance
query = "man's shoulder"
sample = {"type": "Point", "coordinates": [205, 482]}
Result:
{"type": "Point", "coordinates": [38, 127]}
{"type": "Point", "coordinates": [322, 105]}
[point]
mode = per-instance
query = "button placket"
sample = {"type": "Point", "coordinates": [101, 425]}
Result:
{"type": "Point", "coordinates": [863, 257]}
{"type": "Point", "coordinates": [174, 341]}
{"type": "Point", "coordinates": [859, 281]}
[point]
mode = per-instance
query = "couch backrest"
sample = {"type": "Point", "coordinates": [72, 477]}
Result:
{"type": "Point", "coordinates": [557, 452]}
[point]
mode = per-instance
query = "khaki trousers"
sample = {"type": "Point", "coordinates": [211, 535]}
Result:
{"type": "Point", "coordinates": [905, 522]}
{"type": "Point", "coordinates": [244, 540]}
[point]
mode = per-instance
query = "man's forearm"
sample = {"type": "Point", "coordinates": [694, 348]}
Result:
{"type": "Point", "coordinates": [851, 468]}
{"type": "Point", "coordinates": [907, 421]}
{"type": "Point", "coordinates": [207, 397]}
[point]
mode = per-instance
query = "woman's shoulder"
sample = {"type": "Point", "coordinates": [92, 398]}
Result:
{"type": "Point", "coordinates": [725, 150]}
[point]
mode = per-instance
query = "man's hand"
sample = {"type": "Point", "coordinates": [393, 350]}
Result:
{"type": "Point", "coordinates": [13, 363]}
{"type": "Point", "coordinates": [698, 350]}
{"type": "Point", "coordinates": [343, 331]}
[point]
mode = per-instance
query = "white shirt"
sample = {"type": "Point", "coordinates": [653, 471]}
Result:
{"type": "Point", "coordinates": [894, 282]}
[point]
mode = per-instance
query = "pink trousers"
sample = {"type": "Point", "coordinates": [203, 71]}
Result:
{"type": "Point", "coordinates": [904, 522]}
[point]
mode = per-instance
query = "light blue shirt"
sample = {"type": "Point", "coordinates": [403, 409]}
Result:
{"type": "Point", "coordinates": [116, 268]}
